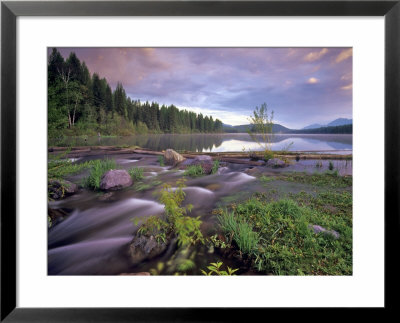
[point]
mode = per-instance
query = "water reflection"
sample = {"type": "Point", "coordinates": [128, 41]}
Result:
{"type": "Point", "coordinates": [216, 142]}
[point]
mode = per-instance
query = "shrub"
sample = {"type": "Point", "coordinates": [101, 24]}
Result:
{"type": "Point", "coordinates": [330, 167]}
{"type": "Point", "coordinates": [268, 154]}
{"type": "Point", "coordinates": [176, 222]}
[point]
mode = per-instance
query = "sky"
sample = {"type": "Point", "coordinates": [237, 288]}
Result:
{"type": "Point", "coordinates": [301, 85]}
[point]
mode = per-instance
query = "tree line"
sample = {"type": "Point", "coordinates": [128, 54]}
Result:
{"type": "Point", "coordinates": [80, 103]}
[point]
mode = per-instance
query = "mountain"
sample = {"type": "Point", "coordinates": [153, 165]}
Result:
{"type": "Point", "coordinates": [343, 129]}
{"type": "Point", "coordinates": [313, 126]}
{"type": "Point", "coordinates": [340, 122]}
{"type": "Point", "coordinates": [334, 123]}
{"type": "Point", "coordinates": [276, 128]}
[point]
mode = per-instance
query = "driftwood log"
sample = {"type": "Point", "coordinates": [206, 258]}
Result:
{"type": "Point", "coordinates": [231, 157]}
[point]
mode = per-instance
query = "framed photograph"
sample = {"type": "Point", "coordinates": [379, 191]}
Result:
{"type": "Point", "coordinates": [197, 159]}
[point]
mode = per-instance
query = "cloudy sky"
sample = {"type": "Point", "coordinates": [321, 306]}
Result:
{"type": "Point", "coordinates": [301, 85]}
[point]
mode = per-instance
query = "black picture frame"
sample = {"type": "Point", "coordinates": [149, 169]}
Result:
{"type": "Point", "coordinates": [10, 10]}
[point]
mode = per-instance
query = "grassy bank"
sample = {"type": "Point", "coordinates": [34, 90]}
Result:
{"type": "Point", "coordinates": [278, 238]}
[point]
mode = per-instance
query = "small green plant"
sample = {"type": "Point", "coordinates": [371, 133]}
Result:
{"type": "Point", "coordinates": [98, 168]}
{"type": "Point", "coordinates": [186, 228]}
{"type": "Point", "coordinates": [215, 269]}
{"type": "Point", "coordinates": [268, 154]}
{"type": "Point", "coordinates": [161, 160]}
{"type": "Point", "coordinates": [331, 167]}
{"type": "Point", "coordinates": [175, 222]}
{"type": "Point", "coordinates": [136, 173]}
{"type": "Point", "coordinates": [215, 167]}
{"type": "Point", "coordinates": [218, 243]}
{"type": "Point", "coordinates": [194, 171]}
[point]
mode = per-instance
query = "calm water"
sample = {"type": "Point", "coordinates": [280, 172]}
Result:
{"type": "Point", "coordinates": [331, 143]}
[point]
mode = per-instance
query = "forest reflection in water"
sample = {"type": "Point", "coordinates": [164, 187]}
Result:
{"type": "Point", "coordinates": [217, 142]}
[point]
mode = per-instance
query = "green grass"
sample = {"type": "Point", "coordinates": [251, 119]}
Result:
{"type": "Point", "coordinates": [161, 161]}
{"type": "Point", "coordinates": [277, 237]}
{"type": "Point", "coordinates": [241, 232]}
{"type": "Point", "coordinates": [265, 179]}
{"type": "Point", "coordinates": [328, 179]}
{"type": "Point", "coordinates": [194, 171]}
{"type": "Point", "coordinates": [140, 186]}
{"type": "Point", "coordinates": [58, 166]}
{"type": "Point", "coordinates": [98, 168]}
{"type": "Point", "coordinates": [215, 167]}
{"type": "Point", "coordinates": [136, 173]}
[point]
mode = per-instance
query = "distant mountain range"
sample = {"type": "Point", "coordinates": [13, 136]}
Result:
{"type": "Point", "coordinates": [276, 128]}
{"type": "Point", "coordinates": [340, 125]}
{"type": "Point", "coordinates": [334, 123]}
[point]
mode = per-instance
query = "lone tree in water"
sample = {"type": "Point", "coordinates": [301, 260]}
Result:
{"type": "Point", "coordinates": [262, 123]}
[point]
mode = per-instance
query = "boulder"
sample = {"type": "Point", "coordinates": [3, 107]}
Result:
{"type": "Point", "coordinates": [145, 248]}
{"type": "Point", "coordinates": [115, 179]}
{"type": "Point", "coordinates": [318, 229]}
{"type": "Point", "coordinates": [171, 157]}
{"type": "Point", "coordinates": [61, 188]}
{"type": "Point", "coordinates": [276, 163]}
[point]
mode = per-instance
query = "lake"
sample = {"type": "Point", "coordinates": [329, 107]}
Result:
{"type": "Point", "coordinates": [329, 143]}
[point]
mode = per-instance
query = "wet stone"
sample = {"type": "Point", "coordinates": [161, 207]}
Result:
{"type": "Point", "coordinates": [171, 157]}
{"type": "Point", "coordinates": [276, 163]}
{"type": "Point", "coordinates": [115, 179]}
{"type": "Point", "coordinates": [144, 248]}
{"type": "Point", "coordinates": [318, 229]}
{"type": "Point", "coordinates": [61, 188]}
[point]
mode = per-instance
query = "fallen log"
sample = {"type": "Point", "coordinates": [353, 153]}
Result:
{"type": "Point", "coordinates": [83, 151]}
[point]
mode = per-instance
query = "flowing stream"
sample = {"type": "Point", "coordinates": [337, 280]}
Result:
{"type": "Point", "coordinates": [94, 238]}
